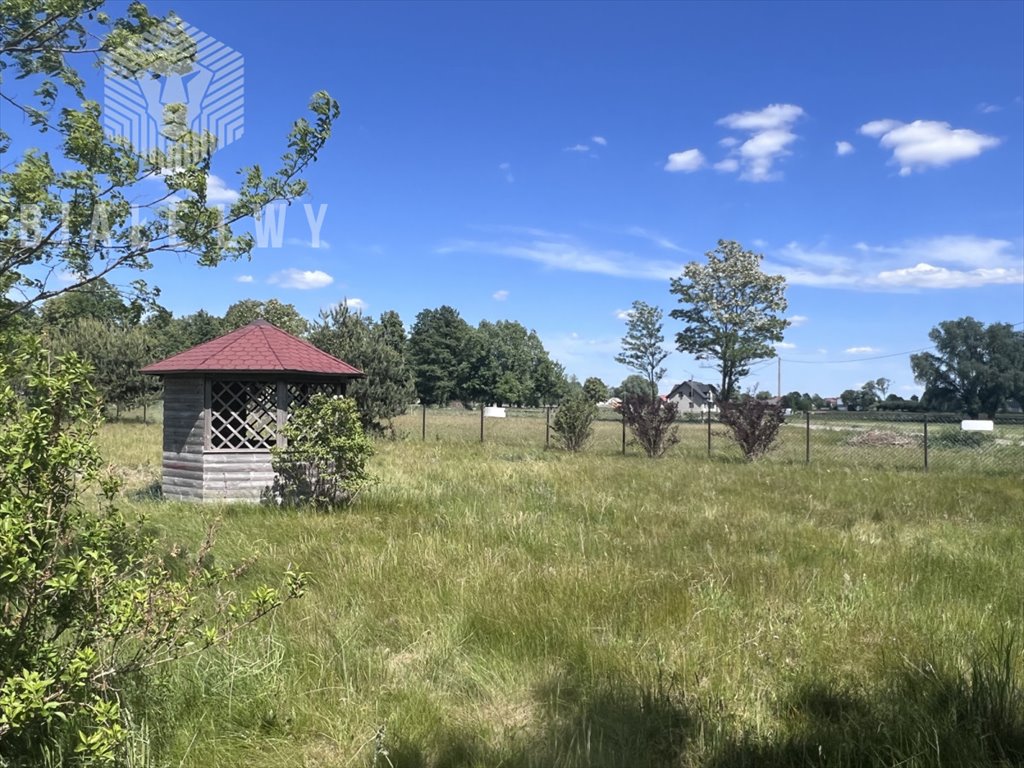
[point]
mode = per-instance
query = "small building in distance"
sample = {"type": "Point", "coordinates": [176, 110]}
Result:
{"type": "Point", "coordinates": [695, 398]}
{"type": "Point", "coordinates": [225, 404]}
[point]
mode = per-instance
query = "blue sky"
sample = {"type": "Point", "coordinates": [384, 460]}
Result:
{"type": "Point", "coordinates": [550, 163]}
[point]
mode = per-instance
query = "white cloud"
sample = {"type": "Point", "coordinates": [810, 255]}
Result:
{"type": "Point", "coordinates": [301, 279]}
{"type": "Point", "coordinates": [658, 240]}
{"type": "Point", "coordinates": [771, 134]}
{"type": "Point", "coordinates": [784, 345]}
{"type": "Point", "coordinates": [563, 252]}
{"type": "Point", "coordinates": [600, 140]}
{"type": "Point", "coordinates": [357, 304]}
{"type": "Point", "coordinates": [795, 321]}
{"type": "Point", "coordinates": [506, 168]}
{"type": "Point", "coordinates": [878, 128]}
{"type": "Point", "coordinates": [861, 350]}
{"type": "Point", "coordinates": [686, 161]}
{"type": "Point", "coordinates": [967, 262]}
{"type": "Point", "coordinates": [244, 279]}
{"type": "Point", "coordinates": [987, 109]}
{"type": "Point", "coordinates": [219, 192]}
{"type": "Point", "coordinates": [926, 144]}
{"type": "Point", "coordinates": [577, 148]}
{"type": "Point", "coordinates": [925, 275]}
{"type": "Point", "coordinates": [728, 142]}
{"type": "Point", "coordinates": [772, 117]}
{"type": "Point", "coordinates": [844, 148]}
{"type": "Point", "coordinates": [500, 295]}
{"type": "Point", "coordinates": [623, 314]}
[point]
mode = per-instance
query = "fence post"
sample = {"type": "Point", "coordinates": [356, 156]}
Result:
{"type": "Point", "coordinates": [808, 458]}
{"type": "Point", "coordinates": [926, 442]}
{"type": "Point", "coordinates": [481, 422]}
{"type": "Point", "coordinates": [623, 434]}
{"type": "Point", "coordinates": [547, 428]}
{"type": "Point", "coordinates": [709, 430]}
{"type": "Point", "coordinates": [424, 427]}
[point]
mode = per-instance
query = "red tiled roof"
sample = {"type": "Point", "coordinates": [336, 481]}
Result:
{"type": "Point", "coordinates": [257, 347]}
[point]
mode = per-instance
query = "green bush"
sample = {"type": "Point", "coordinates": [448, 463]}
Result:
{"type": "Point", "coordinates": [957, 438]}
{"type": "Point", "coordinates": [87, 602]}
{"type": "Point", "coordinates": [574, 421]}
{"type": "Point", "coordinates": [323, 460]}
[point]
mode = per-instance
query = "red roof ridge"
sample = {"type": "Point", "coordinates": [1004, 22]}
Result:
{"type": "Point", "coordinates": [261, 325]}
{"type": "Point", "coordinates": [269, 349]}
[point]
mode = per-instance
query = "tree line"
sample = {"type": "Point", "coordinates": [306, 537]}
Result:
{"type": "Point", "coordinates": [440, 360]}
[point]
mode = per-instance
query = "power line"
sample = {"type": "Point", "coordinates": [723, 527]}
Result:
{"type": "Point", "coordinates": [857, 359]}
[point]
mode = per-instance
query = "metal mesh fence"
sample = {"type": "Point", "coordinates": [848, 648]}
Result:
{"type": "Point", "coordinates": [906, 441]}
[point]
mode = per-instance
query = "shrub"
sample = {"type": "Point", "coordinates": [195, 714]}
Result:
{"type": "Point", "coordinates": [574, 421]}
{"type": "Point", "coordinates": [87, 602]}
{"type": "Point", "coordinates": [652, 421]}
{"type": "Point", "coordinates": [954, 437]}
{"type": "Point", "coordinates": [754, 424]}
{"type": "Point", "coordinates": [323, 461]}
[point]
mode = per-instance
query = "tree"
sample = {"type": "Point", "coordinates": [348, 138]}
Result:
{"type": "Point", "coordinates": [98, 300]}
{"type": "Point", "coordinates": [176, 334]}
{"type": "Point", "coordinates": [549, 382]}
{"type": "Point", "coordinates": [975, 368]}
{"type": "Point", "coordinates": [642, 345]}
{"type": "Point", "coordinates": [732, 310]}
{"type": "Point", "coordinates": [284, 316]}
{"type": "Point", "coordinates": [88, 598]}
{"type": "Point", "coordinates": [378, 350]}
{"type": "Point", "coordinates": [797, 402]}
{"type": "Point", "coordinates": [499, 363]}
{"type": "Point", "coordinates": [595, 390]}
{"type": "Point", "coordinates": [861, 399]}
{"type": "Point", "coordinates": [439, 346]}
{"type": "Point", "coordinates": [634, 384]}
{"type": "Point", "coordinates": [89, 214]}
{"type": "Point", "coordinates": [115, 355]}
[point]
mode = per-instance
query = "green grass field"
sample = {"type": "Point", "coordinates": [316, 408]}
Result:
{"type": "Point", "coordinates": [503, 605]}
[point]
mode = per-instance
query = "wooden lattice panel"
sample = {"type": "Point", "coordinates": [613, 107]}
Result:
{"type": "Point", "coordinates": [243, 415]}
{"type": "Point", "coordinates": [299, 394]}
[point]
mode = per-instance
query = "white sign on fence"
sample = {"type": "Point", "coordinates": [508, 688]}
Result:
{"type": "Point", "coordinates": [968, 425]}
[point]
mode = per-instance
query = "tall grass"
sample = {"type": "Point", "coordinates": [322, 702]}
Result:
{"type": "Point", "coordinates": [500, 604]}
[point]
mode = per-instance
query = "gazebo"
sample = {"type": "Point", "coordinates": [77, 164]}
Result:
{"type": "Point", "coordinates": [225, 403]}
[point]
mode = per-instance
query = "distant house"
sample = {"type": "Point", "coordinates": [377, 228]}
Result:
{"type": "Point", "coordinates": [694, 397]}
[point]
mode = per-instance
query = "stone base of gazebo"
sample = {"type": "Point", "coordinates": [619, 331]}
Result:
{"type": "Point", "coordinates": [216, 476]}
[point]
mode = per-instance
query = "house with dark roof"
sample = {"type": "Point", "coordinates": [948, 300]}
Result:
{"type": "Point", "coordinates": [694, 397]}
{"type": "Point", "coordinates": [225, 404]}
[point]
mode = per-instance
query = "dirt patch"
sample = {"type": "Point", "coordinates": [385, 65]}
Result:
{"type": "Point", "coordinates": [878, 437]}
